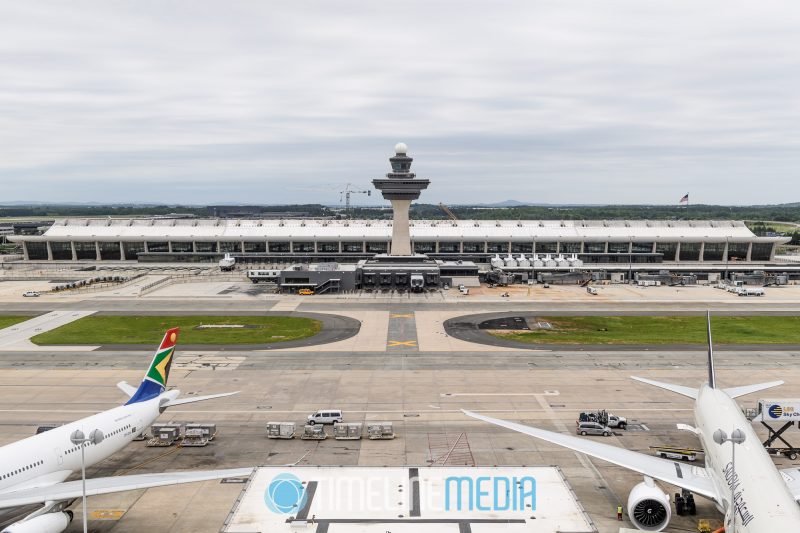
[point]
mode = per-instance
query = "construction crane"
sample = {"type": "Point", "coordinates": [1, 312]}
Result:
{"type": "Point", "coordinates": [348, 190]}
{"type": "Point", "coordinates": [448, 211]}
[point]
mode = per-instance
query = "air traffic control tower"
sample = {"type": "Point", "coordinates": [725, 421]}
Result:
{"type": "Point", "coordinates": [400, 187]}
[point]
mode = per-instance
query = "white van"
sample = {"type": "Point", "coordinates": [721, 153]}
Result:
{"type": "Point", "coordinates": [325, 416]}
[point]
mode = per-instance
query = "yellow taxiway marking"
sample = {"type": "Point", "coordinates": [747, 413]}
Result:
{"type": "Point", "coordinates": [402, 315]}
{"type": "Point", "coordinates": [402, 343]}
{"type": "Point", "coordinates": [106, 514]}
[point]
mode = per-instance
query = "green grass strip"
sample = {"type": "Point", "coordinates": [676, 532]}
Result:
{"type": "Point", "coordinates": [9, 320]}
{"type": "Point", "coordinates": [661, 330]}
{"type": "Point", "coordinates": [105, 330]}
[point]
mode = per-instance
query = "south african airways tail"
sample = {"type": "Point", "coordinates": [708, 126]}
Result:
{"type": "Point", "coordinates": [154, 383]}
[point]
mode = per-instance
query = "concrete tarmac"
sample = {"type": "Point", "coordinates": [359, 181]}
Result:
{"type": "Point", "coordinates": [420, 388]}
{"type": "Point", "coordinates": [421, 393]}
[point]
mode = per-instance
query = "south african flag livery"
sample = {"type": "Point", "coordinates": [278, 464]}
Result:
{"type": "Point", "coordinates": [155, 381]}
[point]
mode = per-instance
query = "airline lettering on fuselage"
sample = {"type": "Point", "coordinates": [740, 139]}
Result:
{"type": "Point", "coordinates": [739, 503]}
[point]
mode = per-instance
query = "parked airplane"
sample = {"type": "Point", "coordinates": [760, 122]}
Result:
{"type": "Point", "coordinates": [33, 470]}
{"type": "Point", "coordinates": [764, 498]}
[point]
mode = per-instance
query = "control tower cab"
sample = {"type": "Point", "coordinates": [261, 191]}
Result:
{"type": "Point", "coordinates": [400, 187]}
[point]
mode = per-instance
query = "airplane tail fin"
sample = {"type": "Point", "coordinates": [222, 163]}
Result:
{"type": "Point", "coordinates": [712, 377]}
{"type": "Point", "coordinates": [155, 380]}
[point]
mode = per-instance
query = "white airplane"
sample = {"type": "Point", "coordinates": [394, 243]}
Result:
{"type": "Point", "coordinates": [765, 499]}
{"type": "Point", "coordinates": [33, 471]}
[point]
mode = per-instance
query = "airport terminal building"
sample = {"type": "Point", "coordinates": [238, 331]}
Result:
{"type": "Point", "coordinates": [422, 254]}
{"type": "Point", "coordinates": [349, 241]}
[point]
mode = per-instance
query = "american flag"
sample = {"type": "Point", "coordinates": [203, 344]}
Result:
{"type": "Point", "coordinates": [685, 199]}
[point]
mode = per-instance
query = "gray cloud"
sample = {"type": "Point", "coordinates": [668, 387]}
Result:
{"type": "Point", "coordinates": [541, 101]}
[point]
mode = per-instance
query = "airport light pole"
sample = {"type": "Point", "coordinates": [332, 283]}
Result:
{"type": "Point", "coordinates": [737, 437]}
{"type": "Point", "coordinates": [79, 439]}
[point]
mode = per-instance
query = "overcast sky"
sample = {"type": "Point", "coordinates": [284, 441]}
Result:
{"type": "Point", "coordinates": [287, 102]}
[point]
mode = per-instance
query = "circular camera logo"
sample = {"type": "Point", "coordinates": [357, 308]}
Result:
{"type": "Point", "coordinates": [775, 411]}
{"type": "Point", "coordinates": [285, 494]}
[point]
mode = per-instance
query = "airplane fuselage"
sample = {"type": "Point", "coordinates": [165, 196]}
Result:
{"type": "Point", "coordinates": [50, 457]}
{"type": "Point", "coordinates": [763, 503]}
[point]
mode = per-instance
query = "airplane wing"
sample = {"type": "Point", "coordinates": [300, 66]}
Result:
{"type": "Point", "coordinates": [692, 478]}
{"type": "Point", "coordinates": [792, 478]}
{"type": "Point", "coordinates": [106, 485]}
{"type": "Point", "coordinates": [183, 401]}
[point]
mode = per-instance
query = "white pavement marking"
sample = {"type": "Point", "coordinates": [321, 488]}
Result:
{"type": "Point", "coordinates": [198, 361]}
{"type": "Point", "coordinates": [17, 337]}
{"type": "Point", "coordinates": [545, 393]}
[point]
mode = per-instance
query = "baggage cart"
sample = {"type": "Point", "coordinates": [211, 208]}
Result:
{"type": "Point", "coordinates": [347, 431]}
{"type": "Point", "coordinates": [380, 431]}
{"type": "Point", "coordinates": [280, 430]}
{"type": "Point", "coordinates": [315, 432]}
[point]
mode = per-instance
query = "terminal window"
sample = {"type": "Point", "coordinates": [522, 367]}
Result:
{"type": "Point", "coordinates": [594, 248]}
{"type": "Point", "coordinates": [618, 247]}
{"type": "Point", "coordinates": [328, 247]}
{"type": "Point", "coordinates": [133, 249]}
{"type": "Point", "coordinates": [546, 247]}
{"type": "Point", "coordinates": [522, 247]}
{"type": "Point", "coordinates": [570, 247]}
{"type": "Point", "coordinates": [181, 247]}
{"type": "Point", "coordinates": [713, 251]}
{"type": "Point", "coordinates": [642, 247]}
{"type": "Point", "coordinates": [157, 246]}
{"type": "Point", "coordinates": [737, 251]}
{"type": "Point", "coordinates": [761, 251]}
{"type": "Point", "coordinates": [474, 247]}
{"type": "Point", "coordinates": [424, 247]}
{"type": "Point", "coordinates": [667, 249]}
{"type": "Point", "coordinates": [230, 246]}
{"type": "Point", "coordinates": [206, 247]}
{"type": "Point", "coordinates": [497, 247]}
{"type": "Point", "coordinates": [303, 247]}
{"type": "Point", "coordinates": [85, 250]}
{"type": "Point", "coordinates": [352, 247]}
{"type": "Point", "coordinates": [36, 250]}
{"type": "Point", "coordinates": [109, 250]}
{"type": "Point", "coordinates": [61, 250]}
{"type": "Point", "coordinates": [377, 247]}
{"type": "Point", "coordinates": [255, 247]}
{"type": "Point", "coordinates": [448, 248]}
{"type": "Point", "coordinates": [690, 251]}
{"type": "Point", "coordinates": [279, 247]}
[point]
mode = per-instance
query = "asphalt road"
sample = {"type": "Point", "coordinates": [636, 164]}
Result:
{"type": "Point", "coordinates": [565, 308]}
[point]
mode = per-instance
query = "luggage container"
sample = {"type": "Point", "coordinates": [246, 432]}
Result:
{"type": "Point", "coordinates": [380, 431]}
{"type": "Point", "coordinates": [209, 431]}
{"type": "Point", "coordinates": [315, 432]}
{"type": "Point", "coordinates": [347, 431]}
{"type": "Point", "coordinates": [280, 430]}
{"type": "Point", "coordinates": [164, 435]}
{"type": "Point", "coordinates": [195, 437]}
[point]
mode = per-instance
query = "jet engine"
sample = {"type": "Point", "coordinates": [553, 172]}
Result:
{"type": "Point", "coordinates": [648, 506]}
{"type": "Point", "coordinates": [46, 523]}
